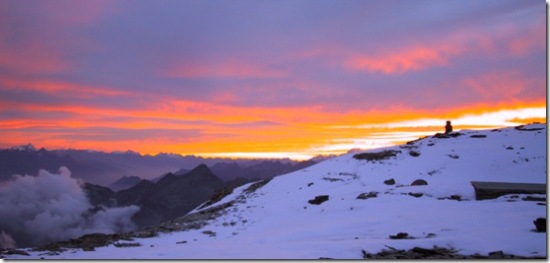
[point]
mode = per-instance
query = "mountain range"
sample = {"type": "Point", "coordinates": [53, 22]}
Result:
{"type": "Point", "coordinates": [107, 169]}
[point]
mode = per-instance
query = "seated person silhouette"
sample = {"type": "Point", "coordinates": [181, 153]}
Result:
{"type": "Point", "coordinates": [448, 127]}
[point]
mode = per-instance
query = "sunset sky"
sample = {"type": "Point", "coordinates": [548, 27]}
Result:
{"type": "Point", "coordinates": [265, 78]}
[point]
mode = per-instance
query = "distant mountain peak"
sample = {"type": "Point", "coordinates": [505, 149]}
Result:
{"type": "Point", "coordinates": [125, 182]}
{"type": "Point", "coordinates": [130, 152]}
{"type": "Point", "coordinates": [201, 170]}
{"type": "Point", "coordinates": [26, 147]}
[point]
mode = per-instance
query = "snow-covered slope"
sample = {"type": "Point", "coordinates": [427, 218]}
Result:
{"type": "Point", "coordinates": [276, 221]}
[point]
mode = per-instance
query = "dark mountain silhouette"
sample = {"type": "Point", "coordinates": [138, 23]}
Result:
{"type": "Point", "coordinates": [124, 182]}
{"type": "Point", "coordinates": [170, 197]}
{"type": "Point", "coordinates": [107, 168]}
{"type": "Point", "coordinates": [29, 161]}
{"type": "Point", "coordinates": [99, 195]}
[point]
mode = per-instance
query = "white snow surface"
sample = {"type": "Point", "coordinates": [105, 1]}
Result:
{"type": "Point", "coordinates": [277, 222]}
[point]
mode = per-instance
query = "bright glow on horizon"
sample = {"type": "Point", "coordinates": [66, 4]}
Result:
{"type": "Point", "coordinates": [498, 118]}
{"type": "Point", "coordinates": [240, 80]}
{"type": "Point", "coordinates": [258, 155]}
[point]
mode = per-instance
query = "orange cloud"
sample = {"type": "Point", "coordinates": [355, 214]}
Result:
{"type": "Point", "coordinates": [190, 127]}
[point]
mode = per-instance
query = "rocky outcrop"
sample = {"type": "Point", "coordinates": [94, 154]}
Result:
{"type": "Point", "coordinates": [318, 200]}
{"type": "Point", "coordinates": [419, 182]}
{"type": "Point", "coordinates": [436, 253]}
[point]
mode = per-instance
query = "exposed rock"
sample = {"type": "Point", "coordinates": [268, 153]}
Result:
{"type": "Point", "coordinates": [13, 252]}
{"type": "Point", "coordinates": [452, 197]}
{"type": "Point", "coordinates": [401, 235]}
{"type": "Point", "coordinates": [376, 156]}
{"type": "Point", "coordinates": [456, 197]}
{"type": "Point", "coordinates": [522, 128]}
{"type": "Point", "coordinates": [532, 198]}
{"type": "Point", "coordinates": [368, 195]}
{"type": "Point", "coordinates": [414, 153]}
{"type": "Point", "coordinates": [446, 136]}
{"type": "Point", "coordinates": [478, 136]}
{"type": "Point", "coordinates": [419, 182]}
{"type": "Point", "coordinates": [436, 253]}
{"type": "Point", "coordinates": [496, 254]}
{"type": "Point", "coordinates": [218, 195]}
{"type": "Point", "coordinates": [390, 182]}
{"type": "Point", "coordinates": [540, 224]}
{"type": "Point", "coordinates": [330, 179]}
{"type": "Point", "coordinates": [454, 156]}
{"type": "Point", "coordinates": [417, 195]}
{"type": "Point", "coordinates": [255, 186]}
{"type": "Point", "coordinates": [318, 200]}
{"type": "Point", "coordinates": [131, 244]}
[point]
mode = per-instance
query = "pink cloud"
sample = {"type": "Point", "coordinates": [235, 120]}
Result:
{"type": "Point", "coordinates": [229, 69]}
{"type": "Point", "coordinates": [32, 58]}
{"type": "Point", "coordinates": [60, 88]}
{"type": "Point", "coordinates": [411, 55]}
{"type": "Point", "coordinates": [533, 39]}
{"type": "Point", "coordinates": [71, 13]}
{"type": "Point", "coordinates": [409, 59]}
{"type": "Point", "coordinates": [497, 86]}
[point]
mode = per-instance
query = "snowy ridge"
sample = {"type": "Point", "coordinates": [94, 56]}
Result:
{"type": "Point", "coordinates": [275, 220]}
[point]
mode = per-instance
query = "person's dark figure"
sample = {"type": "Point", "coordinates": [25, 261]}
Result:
{"type": "Point", "coordinates": [448, 127]}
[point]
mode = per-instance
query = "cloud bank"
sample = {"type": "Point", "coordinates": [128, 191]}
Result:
{"type": "Point", "coordinates": [53, 207]}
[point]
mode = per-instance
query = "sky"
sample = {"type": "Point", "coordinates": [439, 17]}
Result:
{"type": "Point", "coordinates": [265, 78]}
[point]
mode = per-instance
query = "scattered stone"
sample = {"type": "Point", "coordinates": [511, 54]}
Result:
{"type": "Point", "coordinates": [414, 153]}
{"type": "Point", "coordinates": [540, 224]}
{"type": "Point", "coordinates": [522, 128]}
{"type": "Point", "coordinates": [218, 195]}
{"type": "Point", "coordinates": [496, 254]}
{"type": "Point", "coordinates": [417, 195]}
{"type": "Point", "coordinates": [332, 179]}
{"type": "Point", "coordinates": [430, 235]}
{"type": "Point", "coordinates": [456, 197]}
{"type": "Point", "coordinates": [532, 198]}
{"type": "Point", "coordinates": [478, 136]}
{"type": "Point", "coordinates": [376, 156]}
{"type": "Point", "coordinates": [446, 136]}
{"type": "Point", "coordinates": [400, 235]}
{"type": "Point", "coordinates": [181, 242]}
{"type": "Point", "coordinates": [390, 182]}
{"type": "Point", "coordinates": [454, 156]}
{"type": "Point", "coordinates": [134, 244]}
{"type": "Point", "coordinates": [419, 182]}
{"type": "Point", "coordinates": [436, 253]}
{"type": "Point", "coordinates": [310, 184]}
{"type": "Point", "coordinates": [209, 233]}
{"type": "Point", "coordinates": [12, 251]}
{"type": "Point", "coordinates": [368, 195]}
{"type": "Point", "coordinates": [255, 186]}
{"type": "Point", "coordinates": [318, 200]}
